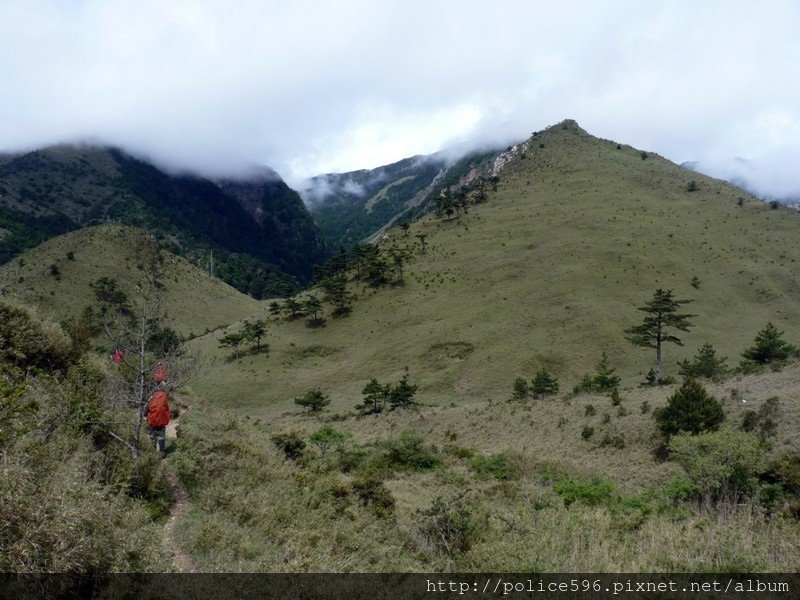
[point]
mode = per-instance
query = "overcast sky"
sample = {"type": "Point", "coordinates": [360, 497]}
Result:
{"type": "Point", "coordinates": [309, 86]}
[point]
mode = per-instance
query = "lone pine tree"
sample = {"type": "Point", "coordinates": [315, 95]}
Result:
{"type": "Point", "coordinates": [662, 315]}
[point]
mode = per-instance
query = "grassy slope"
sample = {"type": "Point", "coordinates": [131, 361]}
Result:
{"type": "Point", "coordinates": [196, 301]}
{"type": "Point", "coordinates": [548, 273]}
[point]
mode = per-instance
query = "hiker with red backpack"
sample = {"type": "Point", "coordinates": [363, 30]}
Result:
{"type": "Point", "coordinates": [158, 417]}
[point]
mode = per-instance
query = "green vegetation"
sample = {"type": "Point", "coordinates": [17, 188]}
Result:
{"type": "Point", "coordinates": [662, 314]}
{"type": "Point", "coordinates": [73, 499]}
{"type": "Point", "coordinates": [313, 400]}
{"type": "Point", "coordinates": [691, 409]}
{"type": "Point", "coordinates": [705, 363]}
{"type": "Point", "coordinates": [262, 238]}
{"type": "Point", "coordinates": [542, 276]}
{"type": "Point", "coordinates": [108, 261]}
{"type": "Point", "coordinates": [769, 347]}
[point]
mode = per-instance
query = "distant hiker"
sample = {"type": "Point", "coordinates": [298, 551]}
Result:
{"type": "Point", "coordinates": [158, 415]}
{"type": "Point", "coordinates": [160, 373]}
{"type": "Point", "coordinates": [117, 357]}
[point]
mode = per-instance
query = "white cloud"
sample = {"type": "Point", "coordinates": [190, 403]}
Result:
{"type": "Point", "coordinates": [308, 87]}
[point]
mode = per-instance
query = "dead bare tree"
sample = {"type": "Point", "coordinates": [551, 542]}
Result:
{"type": "Point", "coordinates": [141, 334]}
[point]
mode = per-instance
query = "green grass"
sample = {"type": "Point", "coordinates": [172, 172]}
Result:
{"type": "Point", "coordinates": [548, 273]}
{"type": "Point", "coordinates": [197, 302]}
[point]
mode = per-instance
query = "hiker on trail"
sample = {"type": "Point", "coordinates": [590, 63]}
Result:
{"type": "Point", "coordinates": [160, 373]}
{"type": "Point", "coordinates": [158, 416]}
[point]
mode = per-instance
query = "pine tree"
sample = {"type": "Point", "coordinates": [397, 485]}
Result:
{"type": "Point", "coordinates": [705, 363]}
{"type": "Point", "coordinates": [336, 293]}
{"type": "Point", "coordinates": [313, 400]}
{"type": "Point", "coordinates": [376, 395]}
{"type": "Point", "coordinates": [293, 307]}
{"type": "Point", "coordinates": [769, 347]}
{"type": "Point", "coordinates": [690, 409]}
{"type": "Point", "coordinates": [402, 395]}
{"type": "Point", "coordinates": [662, 315]}
{"type": "Point", "coordinates": [313, 307]}
{"type": "Point", "coordinates": [605, 379]}
{"type": "Point", "coordinates": [253, 331]}
{"type": "Point", "coordinates": [233, 341]}
{"type": "Point", "coordinates": [544, 384]}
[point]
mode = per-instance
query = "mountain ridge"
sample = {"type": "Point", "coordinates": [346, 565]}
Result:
{"type": "Point", "coordinates": [62, 188]}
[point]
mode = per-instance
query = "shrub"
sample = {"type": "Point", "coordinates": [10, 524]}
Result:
{"type": "Point", "coordinates": [314, 400]}
{"type": "Point", "coordinates": [590, 410]}
{"type": "Point", "coordinates": [690, 409]}
{"type": "Point", "coordinates": [409, 450]}
{"type": "Point", "coordinates": [520, 389]}
{"type": "Point", "coordinates": [645, 407]}
{"type": "Point", "coordinates": [587, 432]}
{"type": "Point", "coordinates": [544, 384]}
{"type": "Point", "coordinates": [373, 493]}
{"type": "Point", "coordinates": [290, 444]}
{"type": "Point", "coordinates": [692, 186]}
{"type": "Point", "coordinates": [592, 491]}
{"type": "Point", "coordinates": [615, 441]}
{"type": "Point", "coordinates": [604, 380]}
{"type": "Point", "coordinates": [453, 527]}
{"type": "Point", "coordinates": [326, 437]}
{"type": "Point", "coordinates": [497, 465]}
{"type": "Point", "coordinates": [616, 400]}
{"type": "Point", "coordinates": [722, 464]}
{"type": "Point", "coordinates": [764, 421]}
{"type": "Point", "coordinates": [705, 363]}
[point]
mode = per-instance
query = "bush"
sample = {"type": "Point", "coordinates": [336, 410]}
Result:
{"type": "Point", "coordinates": [520, 389]}
{"type": "Point", "coordinates": [764, 421]}
{"type": "Point", "coordinates": [453, 527]}
{"type": "Point", "coordinates": [615, 441]}
{"type": "Point", "coordinates": [410, 451]}
{"type": "Point", "coordinates": [592, 491]}
{"type": "Point", "coordinates": [326, 437]}
{"type": "Point", "coordinates": [690, 409]}
{"type": "Point", "coordinates": [722, 464]}
{"type": "Point", "coordinates": [544, 384]}
{"type": "Point", "coordinates": [497, 465]}
{"type": "Point", "coordinates": [590, 410]}
{"type": "Point", "coordinates": [587, 432]}
{"type": "Point", "coordinates": [290, 444]}
{"type": "Point", "coordinates": [616, 400]}
{"type": "Point", "coordinates": [705, 363]}
{"type": "Point", "coordinates": [692, 186]}
{"type": "Point", "coordinates": [373, 493]}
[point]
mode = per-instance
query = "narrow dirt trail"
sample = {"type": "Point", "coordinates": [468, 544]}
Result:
{"type": "Point", "coordinates": [182, 562]}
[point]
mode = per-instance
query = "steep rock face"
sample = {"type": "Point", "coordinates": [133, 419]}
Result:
{"type": "Point", "coordinates": [262, 236]}
{"type": "Point", "coordinates": [281, 214]}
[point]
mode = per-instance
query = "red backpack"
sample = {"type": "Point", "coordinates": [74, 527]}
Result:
{"type": "Point", "coordinates": [158, 410]}
{"type": "Point", "coordinates": [160, 373]}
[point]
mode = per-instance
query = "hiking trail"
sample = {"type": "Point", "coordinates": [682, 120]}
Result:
{"type": "Point", "coordinates": [181, 560]}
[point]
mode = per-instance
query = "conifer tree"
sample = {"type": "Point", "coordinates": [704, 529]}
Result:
{"type": "Point", "coordinates": [544, 384]}
{"type": "Point", "coordinates": [605, 379]}
{"type": "Point", "coordinates": [662, 316]}
{"type": "Point", "coordinates": [690, 409]}
{"type": "Point", "coordinates": [402, 395]}
{"type": "Point", "coordinates": [769, 347]}
{"type": "Point", "coordinates": [705, 363]}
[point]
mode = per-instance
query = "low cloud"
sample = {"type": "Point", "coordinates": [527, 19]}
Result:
{"type": "Point", "coordinates": [309, 87]}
